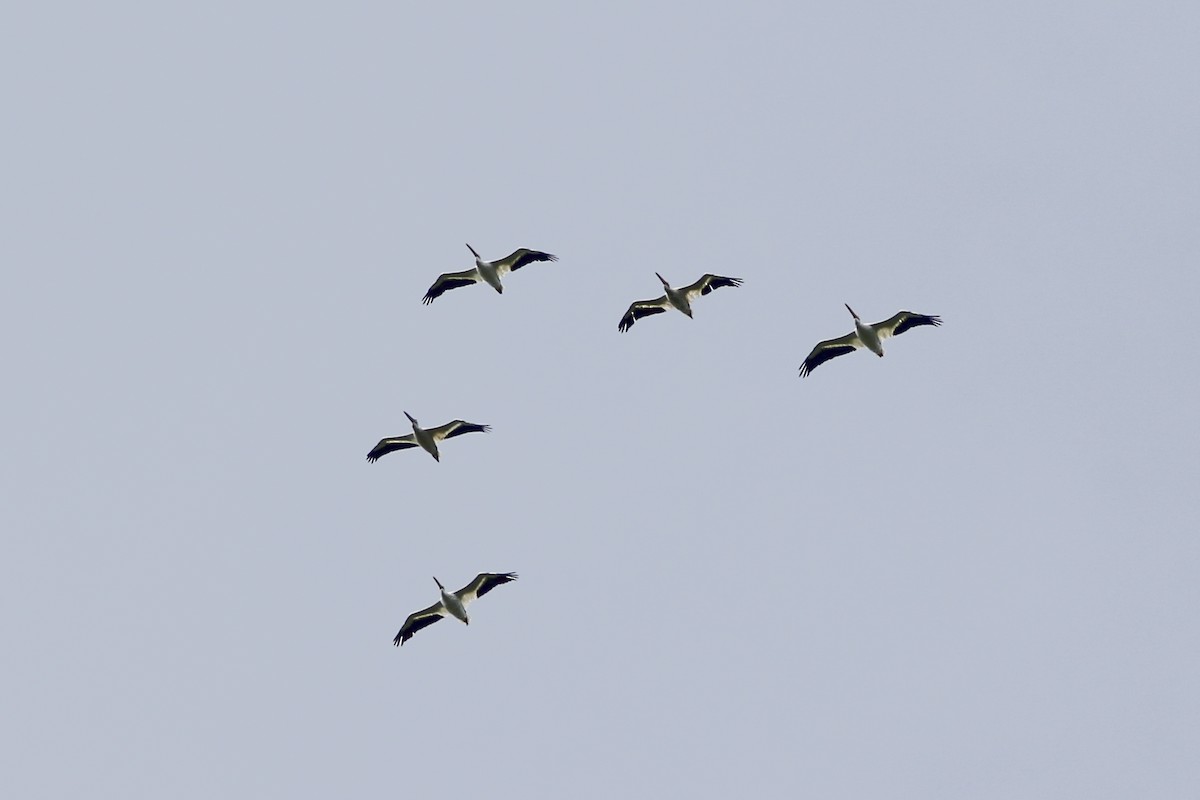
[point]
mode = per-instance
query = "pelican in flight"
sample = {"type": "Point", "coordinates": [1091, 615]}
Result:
{"type": "Point", "coordinates": [427, 439]}
{"type": "Point", "coordinates": [868, 336]}
{"type": "Point", "coordinates": [679, 299]}
{"type": "Point", "coordinates": [452, 603]}
{"type": "Point", "coordinates": [489, 272]}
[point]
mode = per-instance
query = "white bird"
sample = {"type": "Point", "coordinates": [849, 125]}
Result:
{"type": "Point", "coordinates": [490, 272]}
{"type": "Point", "coordinates": [427, 439]}
{"type": "Point", "coordinates": [679, 299]}
{"type": "Point", "coordinates": [868, 336]}
{"type": "Point", "coordinates": [455, 604]}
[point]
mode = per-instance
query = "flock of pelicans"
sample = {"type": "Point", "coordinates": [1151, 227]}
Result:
{"type": "Point", "coordinates": [455, 604]}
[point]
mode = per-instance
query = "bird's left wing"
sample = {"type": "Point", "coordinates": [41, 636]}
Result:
{"type": "Point", "coordinates": [830, 348]}
{"type": "Point", "coordinates": [639, 309]}
{"type": "Point", "coordinates": [484, 582]}
{"type": "Point", "coordinates": [903, 321]}
{"type": "Point", "coordinates": [386, 446]}
{"type": "Point", "coordinates": [520, 258]}
{"type": "Point", "coordinates": [448, 281]}
{"type": "Point", "coordinates": [457, 428]}
{"type": "Point", "coordinates": [709, 283]}
{"type": "Point", "coordinates": [418, 620]}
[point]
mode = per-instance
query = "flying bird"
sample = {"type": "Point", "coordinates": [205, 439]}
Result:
{"type": "Point", "coordinates": [455, 604]}
{"type": "Point", "coordinates": [427, 439]}
{"type": "Point", "coordinates": [490, 272]}
{"type": "Point", "coordinates": [868, 336]}
{"type": "Point", "coordinates": [679, 299]}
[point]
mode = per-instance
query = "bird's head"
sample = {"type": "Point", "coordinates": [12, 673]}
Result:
{"type": "Point", "coordinates": [411, 418]}
{"type": "Point", "coordinates": [439, 584]}
{"type": "Point", "coordinates": [664, 280]}
{"type": "Point", "coordinates": [472, 249]}
{"type": "Point", "coordinates": [851, 310]}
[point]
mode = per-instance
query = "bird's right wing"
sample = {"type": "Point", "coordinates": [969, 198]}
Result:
{"type": "Point", "coordinates": [386, 446]}
{"type": "Point", "coordinates": [709, 283]}
{"type": "Point", "coordinates": [484, 582]}
{"type": "Point", "coordinates": [642, 308]}
{"type": "Point", "coordinates": [457, 428]}
{"type": "Point", "coordinates": [520, 258]}
{"type": "Point", "coordinates": [830, 348]}
{"type": "Point", "coordinates": [418, 620]}
{"type": "Point", "coordinates": [448, 281]}
{"type": "Point", "coordinates": [903, 321]}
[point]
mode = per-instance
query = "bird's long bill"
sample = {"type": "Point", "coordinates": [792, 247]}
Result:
{"type": "Point", "coordinates": [439, 583]}
{"type": "Point", "coordinates": [851, 310]}
{"type": "Point", "coordinates": [472, 249]}
{"type": "Point", "coordinates": [661, 278]}
{"type": "Point", "coordinates": [410, 418]}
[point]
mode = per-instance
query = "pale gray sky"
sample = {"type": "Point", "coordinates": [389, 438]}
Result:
{"type": "Point", "coordinates": [965, 570]}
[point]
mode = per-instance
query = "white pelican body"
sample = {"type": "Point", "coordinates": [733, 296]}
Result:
{"type": "Point", "coordinates": [425, 439]}
{"type": "Point", "coordinates": [678, 299]}
{"type": "Point", "coordinates": [453, 604]}
{"type": "Point", "coordinates": [868, 336]}
{"type": "Point", "coordinates": [489, 272]}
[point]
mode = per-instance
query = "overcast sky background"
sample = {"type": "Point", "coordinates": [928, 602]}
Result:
{"type": "Point", "coordinates": [967, 569]}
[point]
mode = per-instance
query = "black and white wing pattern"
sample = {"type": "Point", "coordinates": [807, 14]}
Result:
{"type": "Point", "coordinates": [457, 428]}
{"type": "Point", "coordinates": [903, 321]}
{"type": "Point", "coordinates": [386, 446]}
{"type": "Point", "coordinates": [484, 582]}
{"type": "Point", "coordinates": [418, 620]}
{"type": "Point", "coordinates": [520, 258]}
{"type": "Point", "coordinates": [448, 281]}
{"type": "Point", "coordinates": [709, 283]}
{"type": "Point", "coordinates": [642, 308]}
{"type": "Point", "coordinates": [830, 348]}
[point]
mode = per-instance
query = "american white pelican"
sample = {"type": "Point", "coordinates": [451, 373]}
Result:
{"type": "Point", "coordinates": [455, 604]}
{"type": "Point", "coordinates": [489, 272]}
{"type": "Point", "coordinates": [679, 299]}
{"type": "Point", "coordinates": [868, 336]}
{"type": "Point", "coordinates": [428, 439]}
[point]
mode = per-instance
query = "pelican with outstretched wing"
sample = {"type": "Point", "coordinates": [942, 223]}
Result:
{"type": "Point", "coordinates": [868, 336]}
{"type": "Point", "coordinates": [679, 299]}
{"type": "Point", "coordinates": [426, 439]}
{"type": "Point", "coordinates": [452, 603]}
{"type": "Point", "coordinates": [489, 272]}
